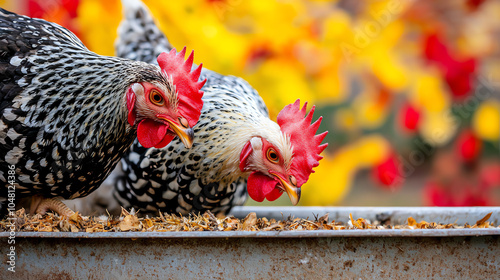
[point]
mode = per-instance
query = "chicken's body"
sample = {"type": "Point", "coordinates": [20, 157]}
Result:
{"type": "Point", "coordinates": [210, 175]}
{"type": "Point", "coordinates": [63, 109]}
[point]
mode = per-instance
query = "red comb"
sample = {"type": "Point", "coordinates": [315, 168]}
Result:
{"type": "Point", "coordinates": [185, 81]}
{"type": "Point", "coordinates": [306, 145]}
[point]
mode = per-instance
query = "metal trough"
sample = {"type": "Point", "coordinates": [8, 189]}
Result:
{"type": "Point", "coordinates": [321, 254]}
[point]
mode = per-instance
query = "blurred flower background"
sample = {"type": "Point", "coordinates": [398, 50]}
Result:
{"type": "Point", "coordinates": [409, 90]}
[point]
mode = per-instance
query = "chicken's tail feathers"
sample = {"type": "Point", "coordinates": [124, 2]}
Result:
{"type": "Point", "coordinates": [139, 36]}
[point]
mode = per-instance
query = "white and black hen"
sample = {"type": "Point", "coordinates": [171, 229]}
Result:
{"type": "Point", "coordinates": [67, 115]}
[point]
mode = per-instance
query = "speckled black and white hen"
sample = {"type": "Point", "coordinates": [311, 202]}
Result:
{"type": "Point", "coordinates": [236, 148]}
{"type": "Point", "coordinates": [67, 115]}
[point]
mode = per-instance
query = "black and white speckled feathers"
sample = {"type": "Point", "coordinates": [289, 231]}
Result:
{"type": "Point", "coordinates": [63, 114]}
{"type": "Point", "coordinates": [207, 176]}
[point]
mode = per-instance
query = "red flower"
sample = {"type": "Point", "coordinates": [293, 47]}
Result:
{"type": "Point", "coordinates": [469, 146]}
{"type": "Point", "coordinates": [473, 5]}
{"type": "Point", "coordinates": [436, 195]}
{"type": "Point", "coordinates": [454, 195]}
{"type": "Point", "coordinates": [410, 117]}
{"type": "Point", "coordinates": [459, 77]}
{"type": "Point", "coordinates": [458, 74]}
{"type": "Point", "coordinates": [490, 176]}
{"type": "Point", "coordinates": [39, 8]}
{"type": "Point", "coordinates": [257, 54]}
{"type": "Point", "coordinates": [387, 173]}
{"type": "Point", "coordinates": [71, 6]}
{"type": "Point", "coordinates": [62, 12]}
{"type": "Point", "coordinates": [436, 51]}
{"type": "Point", "coordinates": [35, 9]}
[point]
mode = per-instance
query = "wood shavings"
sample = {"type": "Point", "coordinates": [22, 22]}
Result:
{"type": "Point", "coordinates": [249, 221]}
{"type": "Point", "coordinates": [482, 222]}
{"type": "Point", "coordinates": [129, 221]}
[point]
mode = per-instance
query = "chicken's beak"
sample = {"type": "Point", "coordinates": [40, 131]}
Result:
{"type": "Point", "coordinates": [292, 191]}
{"type": "Point", "coordinates": [186, 134]}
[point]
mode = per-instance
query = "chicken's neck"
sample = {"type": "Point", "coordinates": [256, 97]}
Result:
{"type": "Point", "coordinates": [84, 110]}
{"type": "Point", "coordinates": [224, 133]}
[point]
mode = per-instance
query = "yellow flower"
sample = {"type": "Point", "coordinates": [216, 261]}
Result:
{"type": "Point", "coordinates": [428, 91]}
{"type": "Point", "coordinates": [383, 59]}
{"type": "Point", "coordinates": [333, 177]}
{"type": "Point", "coordinates": [486, 121]}
{"type": "Point", "coordinates": [371, 106]}
{"type": "Point", "coordinates": [345, 119]}
{"type": "Point", "coordinates": [437, 125]}
{"type": "Point", "coordinates": [99, 21]}
{"type": "Point", "coordinates": [281, 83]}
{"type": "Point", "coordinates": [438, 128]}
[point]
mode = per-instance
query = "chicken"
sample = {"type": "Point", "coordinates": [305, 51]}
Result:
{"type": "Point", "coordinates": [236, 147]}
{"type": "Point", "coordinates": [67, 115]}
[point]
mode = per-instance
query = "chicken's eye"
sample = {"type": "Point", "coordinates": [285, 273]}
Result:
{"type": "Point", "coordinates": [156, 98]}
{"type": "Point", "coordinates": [272, 156]}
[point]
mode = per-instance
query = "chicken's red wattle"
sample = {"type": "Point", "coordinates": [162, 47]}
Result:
{"type": "Point", "coordinates": [151, 133]}
{"type": "Point", "coordinates": [261, 186]}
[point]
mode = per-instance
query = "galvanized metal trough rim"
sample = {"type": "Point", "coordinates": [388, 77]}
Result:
{"type": "Point", "coordinates": [266, 234]}
{"type": "Point", "coordinates": [398, 215]}
{"type": "Point", "coordinates": [342, 212]}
